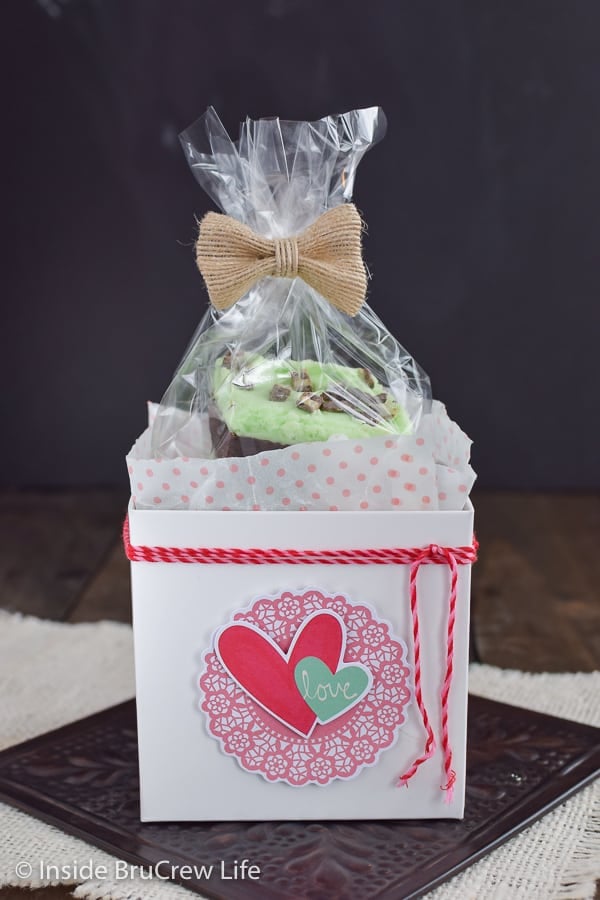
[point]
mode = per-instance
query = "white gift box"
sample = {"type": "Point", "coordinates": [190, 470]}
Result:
{"type": "Point", "coordinates": [192, 766]}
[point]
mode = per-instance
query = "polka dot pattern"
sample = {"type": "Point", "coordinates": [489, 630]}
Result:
{"type": "Point", "coordinates": [428, 470]}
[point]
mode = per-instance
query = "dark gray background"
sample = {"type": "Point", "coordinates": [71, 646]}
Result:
{"type": "Point", "coordinates": [483, 206]}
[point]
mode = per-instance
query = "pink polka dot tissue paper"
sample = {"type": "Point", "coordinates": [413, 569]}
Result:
{"type": "Point", "coordinates": [428, 470]}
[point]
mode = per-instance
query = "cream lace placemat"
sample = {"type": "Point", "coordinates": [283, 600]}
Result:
{"type": "Point", "coordinates": [51, 674]}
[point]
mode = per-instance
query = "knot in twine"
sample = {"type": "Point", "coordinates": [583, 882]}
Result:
{"type": "Point", "coordinates": [327, 256]}
{"type": "Point", "coordinates": [286, 258]}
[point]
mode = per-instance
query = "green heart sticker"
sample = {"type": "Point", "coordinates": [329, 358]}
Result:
{"type": "Point", "coordinates": [328, 694]}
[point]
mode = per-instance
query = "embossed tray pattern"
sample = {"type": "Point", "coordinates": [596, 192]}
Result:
{"type": "Point", "coordinates": [83, 778]}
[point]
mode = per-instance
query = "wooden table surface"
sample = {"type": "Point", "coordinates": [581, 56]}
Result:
{"type": "Point", "coordinates": [536, 586]}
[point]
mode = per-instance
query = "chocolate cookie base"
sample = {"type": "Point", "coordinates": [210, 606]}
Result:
{"type": "Point", "coordinates": [227, 444]}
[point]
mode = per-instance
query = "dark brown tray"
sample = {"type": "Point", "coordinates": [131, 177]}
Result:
{"type": "Point", "coordinates": [83, 778]}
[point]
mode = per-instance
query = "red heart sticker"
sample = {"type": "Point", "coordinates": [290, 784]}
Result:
{"type": "Point", "coordinates": [266, 673]}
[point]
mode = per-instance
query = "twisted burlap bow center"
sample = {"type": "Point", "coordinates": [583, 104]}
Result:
{"type": "Point", "coordinates": [327, 256]}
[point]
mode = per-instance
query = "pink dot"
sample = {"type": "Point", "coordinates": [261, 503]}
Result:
{"type": "Point", "coordinates": [299, 483]}
{"type": "Point", "coordinates": [194, 484]}
{"type": "Point", "coordinates": [343, 465]}
{"type": "Point", "coordinates": [233, 467]}
{"type": "Point", "coordinates": [374, 460]}
{"type": "Point", "coordinates": [251, 479]}
{"type": "Point", "coordinates": [270, 490]}
{"type": "Point", "coordinates": [389, 444]}
{"type": "Point", "coordinates": [426, 499]}
{"type": "Point", "coordinates": [303, 508]}
{"type": "Point", "coordinates": [176, 471]}
{"type": "Point", "coordinates": [281, 472]}
{"type": "Point", "coordinates": [333, 508]}
{"type": "Point", "coordinates": [393, 473]}
{"type": "Point", "coordinates": [406, 457]}
{"type": "Point", "coordinates": [255, 506]}
{"type": "Point", "coordinates": [286, 501]}
{"type": "Point", "coordinates": [377, 489]}
{"type": "Point", "coordinates": [140, 486]}
{"type": "Point", "coordinates": [312, 468]}
{"type": "Point", "coordinates": [364, 505]}
{"type": "Point", "coordinates": [204, 470]}
{"type": "Point", "coordinates": [423, 470]}
{"type": "Point", "coordinates": [210, 499]}
{"type": "Point", "coordinates": [239, 496]}
{"type": "Point", "coordinates": [295, 455]}
{"type": "Point", "coordinates": [166, 486]}
{"type": "Point", "coordinates": [330, 480]}
{"type": "Point", "coordinates": [149, 473]}
{"type": "Point", "coordinates": [420, 442]}
{"type": "Point", "coordinates": [442, 495]}
{"type": "Point", "coordinates": [396, 501]}
{"type": "Point", "coordinates": [462, 488]}
{"type": "Point", "coordinates": [358, 449]}
{"type": "Point", "coordinates": [264, 462]}
{"type": "Point", "coordinates": [185, 459]}
{"type": "Point", "coordinates": [220, 484]}
{"type": "Point", "coordinates": [185, 498]}
{"type": "Point", "coordinates": [456, 460]}
{"type": "Point", "coordinates": [346, 492]}
{"type": "Point", "coordinates": [316, 496]}
{"type": "Point", "coordinates": [130, 469]}
{"type": "Point", "coordinates": [157, 500]}
{"type": "Point", "coordinates": [361, 476]}
{"type": "Point", "coordinates": [409, 486]}
{"type": "Point", "coordinates": [226, 509]}
{"type": "Point", "coordinates": [327, 451]}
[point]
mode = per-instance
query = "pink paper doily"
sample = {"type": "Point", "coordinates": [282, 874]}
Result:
{"type": "Point", "coordinates": [339, 749]}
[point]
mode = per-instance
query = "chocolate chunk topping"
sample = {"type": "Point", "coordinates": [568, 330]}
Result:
{"type": "Point", "coordinates": [329, 403]}
{"type": "Point", "coordinates": [383, 411]}
{"type": "Point", "coordinates": [361, 404]}
{"type": "Point", "coordinates": [279, 392]}
{"type": "Point", "coordinates": [301, 382]}
{"type": "Point", "coordinates": [368, 377]}
{"type": "Point", "coordinates": [309, 402]}
{"type": "Point", "coordinates": [227, 360]}
{"type": "Point", "coordinates": [366, 407]}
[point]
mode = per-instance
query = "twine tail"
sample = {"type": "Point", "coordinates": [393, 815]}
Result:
{"type": "Point", "coordinates": [429, 750]}
{"type": "Point", "coordinates": [449, 788]}
{"type": "Point", "coordinates": [430, 742]}
{"type": "Point", "coordinates": [446, 746]}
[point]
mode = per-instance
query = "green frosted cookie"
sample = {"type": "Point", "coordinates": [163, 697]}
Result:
{"type": "Point", "coordinates": [285, 402]}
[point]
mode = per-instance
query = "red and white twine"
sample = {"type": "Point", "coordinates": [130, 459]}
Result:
{"type": "Point", "coordinates": [415, 557]}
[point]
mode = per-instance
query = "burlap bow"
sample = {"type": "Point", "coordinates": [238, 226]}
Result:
{"type": "Point", "coordinates": [327, 256]}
